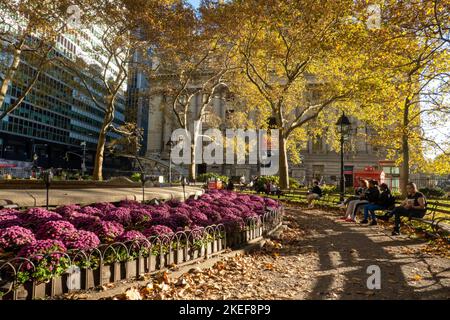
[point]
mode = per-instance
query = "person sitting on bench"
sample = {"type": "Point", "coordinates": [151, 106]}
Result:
{"type": "Point", "coordinates": [363, 186]}
{"type": "Point", "coordinates": [384, 202]}
{"type": "Point", "coordinates": [415, 205]}
{"type": "Point", "coordinates": [355, 205]}
{"type": "Point", "coordinates": [314, 194]}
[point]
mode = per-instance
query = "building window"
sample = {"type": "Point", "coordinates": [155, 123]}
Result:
{"type": "Point", "coordinates": [318, 171]}
{"type": "Point", "coordinates": [317, 145]}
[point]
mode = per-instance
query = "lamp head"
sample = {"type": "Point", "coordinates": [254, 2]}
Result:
{"type": "Point", "coordinates": [343, 124]}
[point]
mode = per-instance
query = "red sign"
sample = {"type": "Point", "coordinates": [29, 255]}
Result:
{"type": "Point", "coordinates": [367, 174]}
{"type": "Point", "coordinates": [7, 165]}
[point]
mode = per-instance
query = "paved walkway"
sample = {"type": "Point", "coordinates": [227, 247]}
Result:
{"type": "Point", "coordinates": [313, 257]}
{"type": "Point", "coordinates": [57, 197]}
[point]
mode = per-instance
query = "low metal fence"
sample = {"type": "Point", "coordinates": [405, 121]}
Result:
{"type": "Point", "coordinates": [57, 273]}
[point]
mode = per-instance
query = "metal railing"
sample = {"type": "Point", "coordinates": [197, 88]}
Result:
{"type": "Point", "coordinates": [21, 277]}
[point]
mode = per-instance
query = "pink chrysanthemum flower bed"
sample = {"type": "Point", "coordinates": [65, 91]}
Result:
{"type": "Point", "coordinates": [83, 228]}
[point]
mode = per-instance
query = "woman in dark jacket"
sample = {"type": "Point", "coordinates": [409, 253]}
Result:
{"type": "Point", "coordinates": [385, 201]}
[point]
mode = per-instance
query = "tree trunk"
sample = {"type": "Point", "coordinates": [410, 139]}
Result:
{"type": "Point", "coordinates": [283, 162]}
{"type": "Point", "coordinates": [404, 170]}
{"type": "Point", "coordinates": [99, 155]}
{"type": "Point", "coordinates": [9, 75]}
{"type": "Point", "coordinates": [192, 165]}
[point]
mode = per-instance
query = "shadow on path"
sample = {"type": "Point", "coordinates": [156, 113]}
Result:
{"type": "Point", "coordinates": [345, 251]}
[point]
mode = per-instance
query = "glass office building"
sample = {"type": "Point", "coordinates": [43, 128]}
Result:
{"type": "Point", "coordinates": [55, 116]}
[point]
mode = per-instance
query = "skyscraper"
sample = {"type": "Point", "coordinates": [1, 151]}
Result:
{"type": "Point", "coordinates": [56, 117]}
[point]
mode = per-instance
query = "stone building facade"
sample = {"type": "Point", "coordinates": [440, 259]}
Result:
{"type": "Point", "coordinates": [319, 160]}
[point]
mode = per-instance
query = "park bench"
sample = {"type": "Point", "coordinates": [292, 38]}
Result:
{"type": "Point", "coordinates": [435, 222]}
{"type": "Point", "coordinates": [429, 215]}
{"type": "Point", "coordinates": [327, 200]}
{"type": "Point", "coordinates": [440, 222]}
{"type": "Point", "coordinates": [292, 193]}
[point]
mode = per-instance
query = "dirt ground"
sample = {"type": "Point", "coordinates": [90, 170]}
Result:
{"type": "Point", "coordinates": [314, 256]}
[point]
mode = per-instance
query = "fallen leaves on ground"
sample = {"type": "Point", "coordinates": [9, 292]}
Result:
{"type": "Point", "coordinates": [295, 263]}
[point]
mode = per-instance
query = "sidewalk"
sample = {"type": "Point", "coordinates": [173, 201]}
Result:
{"type": "Point", "coordinates": [58, 197]}
{"type": "Point", "coordinates": [312, 257]}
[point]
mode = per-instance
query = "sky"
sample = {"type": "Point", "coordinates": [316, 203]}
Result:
{"type": "Point", "coordinates": [195, 3]}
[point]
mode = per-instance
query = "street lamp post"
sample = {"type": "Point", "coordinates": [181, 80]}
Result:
{"type": "Point", "coordinates": [343, 125]}
{"type": "Point", "coordinates": [170, 145]}
{"type": "Point", "coordinates": [47, 177]}
{"type": "Point", "coordinates": [183, 184]}
{"type": "Point", "coordinates": [83, 163]}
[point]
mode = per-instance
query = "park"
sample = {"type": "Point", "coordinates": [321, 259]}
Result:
{"type": "Point", "coordinates": [224, 150]}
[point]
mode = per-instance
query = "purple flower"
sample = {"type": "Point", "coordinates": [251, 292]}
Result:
{"type": "Point", "coordinates": [233, 223]}
{"type": "Point", "coordinates": [246, 215]}
{"type": "Point", "coordinates": [234, 211]}
{"type": "Point", "coordinates": [120, 215]}
{"type": "Point", "coordinates": [199, 218]}
{"type": "Point", "coordinates": [179, 210]}
{"type": "Point", "coordinates": [160, 212]}
{"type": "Point", "coordinates": [83, 221]}
{"type": "Point", "coordinates": [85, 227]}
{"type": "Point", "coordinates": [254, 198]}
{"type": "Point", "coordinates": [56, 230]}
{"type": "Point", "coordinates": [34, 217]}
{"type": "Point", "coordinates": [271, 203]}
{"type": "Point", "coordinates": [130, 236]}
{"type": "Point", "coordinates": [140, 217]}
{"type": "Point", "coordinates": [9, 220]}
{"type": "Point", "coordinates": [104, 206]}
{"type": "Point", "coordinates": [93, 211]}
{"type": "Point", "coordinates": [158, 230]}
{"type": "Point", "coordinates": [66, 211]}
{"type": "Point", "coordinates": [107, 231]}
{"type": "Point", "coordinates": [50, 250]}
{"type": "Point", "coordinates": [243, 199]}
{"type": "Point", "coordinates": [13, 238]}
{"type": "Point", "coordinates": [81, 240]}
{"type": "Point", "coordinates": [131, 204]}
{"type": "Point", "coordinates": [173, 221]}
{"type": "Point", "coordinates": [8, 212]}
{"type": "Point", "coordinates": [173, 203]}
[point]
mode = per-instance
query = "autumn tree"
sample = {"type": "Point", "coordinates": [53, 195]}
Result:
{"type": "Point", "coordinates": [441, 19]}
{"type": "Point", "coordinates": [193, 59]}
{"type": "Point", "coordinates": [101, 69]}
{"type": "Point", "coordinates": [299, 59]}
{"type": "Point", "coordinates": [29, 31]}
{"type": "Point", "coordinates": [415, 62]}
